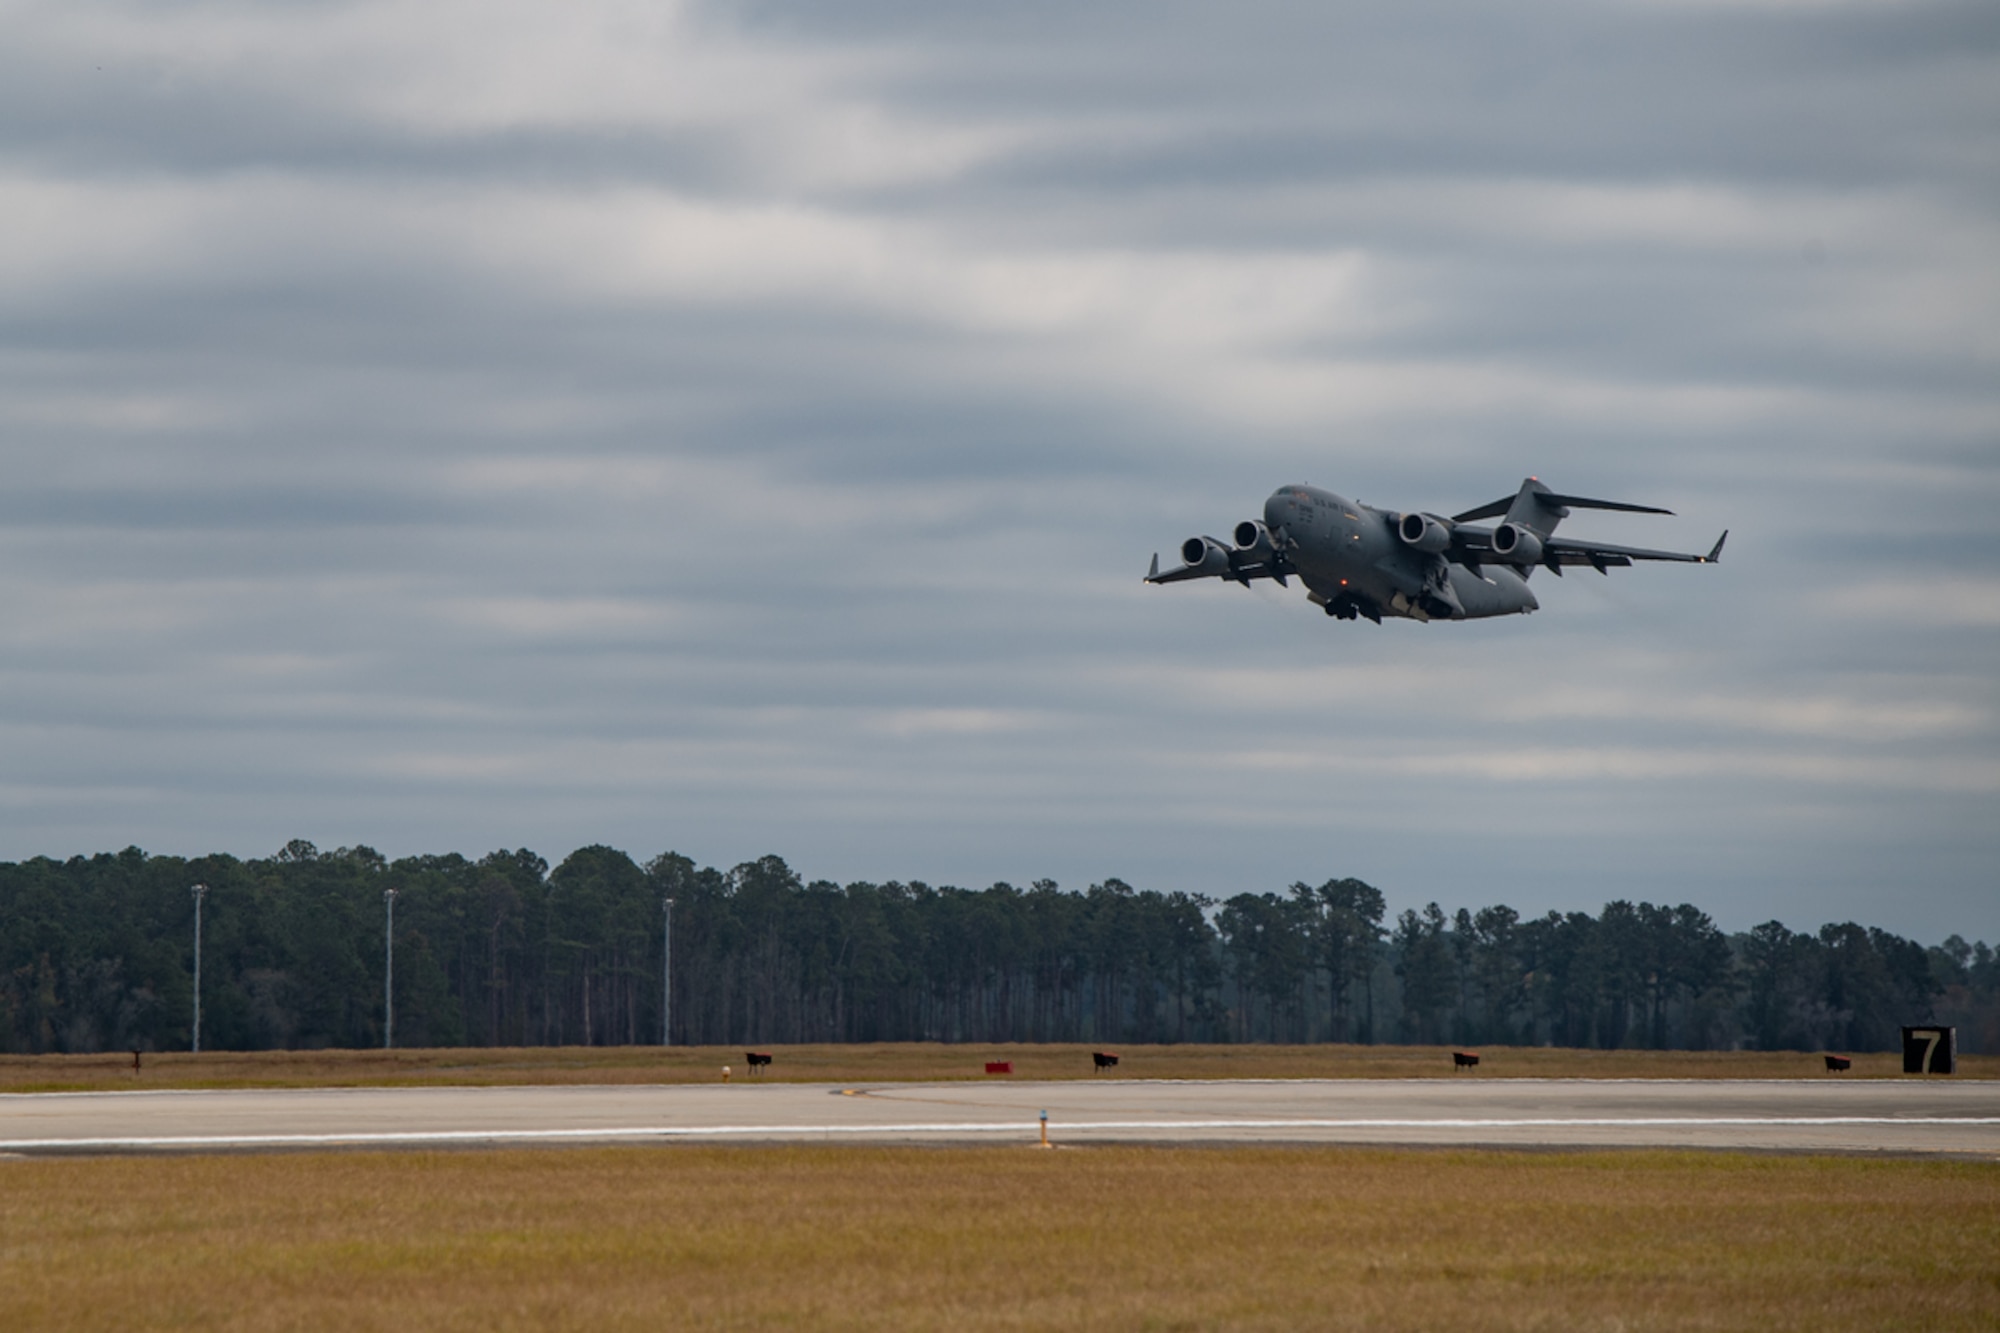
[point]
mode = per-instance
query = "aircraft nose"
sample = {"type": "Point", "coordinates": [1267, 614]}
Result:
{"type": "Point", "coordinates": [1276, 511]}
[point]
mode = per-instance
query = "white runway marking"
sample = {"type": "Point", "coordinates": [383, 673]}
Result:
{"type": "Point", "coordinates": [1028, 1129]}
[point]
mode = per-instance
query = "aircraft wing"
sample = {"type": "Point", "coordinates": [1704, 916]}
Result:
{"type": "Point", "coordinates": [1602, 556]}
{"type": "Point", "coordinates": [1185, 572]}
{"type": "Point", "coordinates": [1473, 546]}
{"type": "Point", "coordinates": [1216, 561]}
{"type": "Point", "coordinates": [1569, 551]}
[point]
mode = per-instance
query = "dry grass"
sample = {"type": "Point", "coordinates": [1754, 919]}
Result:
{"type": "Point", "coordinates": [998, 1238]}
{"type": "Point", "coordinates": [896, 1062]}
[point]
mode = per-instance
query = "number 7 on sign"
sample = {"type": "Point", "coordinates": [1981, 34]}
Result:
{"type": "Point", "coordinates": [1930, 1039]}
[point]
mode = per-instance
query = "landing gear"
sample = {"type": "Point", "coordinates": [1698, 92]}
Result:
{"type": "Point", "coordinates": [1347, 607]}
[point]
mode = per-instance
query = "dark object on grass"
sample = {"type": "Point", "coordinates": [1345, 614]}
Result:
{"type": "Point", "coordinates": [135, 1062]}
{"type": "Point", "coordinates": [1929, 1050]}
{"type": "Point", "coordinates": [1104, 1059]}
{"type": "Point", "coordinates": [999, 1066]}
{"type": "Point", "coordinates": [756, 1059]}
{"type": "Point", "coordinates": [1463, 1060]}
{"type": "Point", "coordinates": [1836, 1063]}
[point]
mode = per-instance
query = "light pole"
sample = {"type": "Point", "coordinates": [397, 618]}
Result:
{"type": "Point", "coordinates": [199, 891]}
{"type": "Point", "coordinates": [667, 977]}
{"type": "Point", "coordinates": [389, 971]}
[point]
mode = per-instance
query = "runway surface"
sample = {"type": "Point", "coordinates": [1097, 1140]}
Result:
{"type": "Point", "coordinates": [1826, 1116]}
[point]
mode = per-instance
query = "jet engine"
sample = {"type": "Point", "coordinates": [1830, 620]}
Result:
{"type": "Point", "coordinates": [1423, 532]}
{"type": "Point", "coordinates": [1205, 555]}
{"type": "Point", "coordinates": [1253, 540]}
{"type": "Point", "coordinates": [1517, 545]}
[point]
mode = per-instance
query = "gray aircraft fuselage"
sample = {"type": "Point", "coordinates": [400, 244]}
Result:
{"type": "Point", "coordinates": [1349, 554]}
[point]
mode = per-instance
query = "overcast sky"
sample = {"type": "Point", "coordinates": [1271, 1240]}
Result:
{"type": "Point", "coordinates": [742, 429]}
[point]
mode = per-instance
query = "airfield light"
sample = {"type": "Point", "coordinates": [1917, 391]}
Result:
{"type": "Point", "coordinates": [389, 971]}
{"type": "Point", "coordinates": [667, 975]}
{"type": "Point", "coordinates": [199, 891]}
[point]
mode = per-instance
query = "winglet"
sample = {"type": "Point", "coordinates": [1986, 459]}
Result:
{"type": "Point", "coordinates": [1716, 553]}
{"type": "Point", "coordinates": [1154, 572]}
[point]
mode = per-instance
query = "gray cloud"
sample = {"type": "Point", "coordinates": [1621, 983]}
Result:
{"type": "Point", "coordinates": [743, 431]}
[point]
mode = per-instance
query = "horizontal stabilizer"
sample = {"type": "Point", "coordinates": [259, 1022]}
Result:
{"type": "Point", "coordinates": [1537, 506]}
{"type": "Point", "coordinates": [1579, 502]}
{"type": "Point", "coordinates": [1492, 510]}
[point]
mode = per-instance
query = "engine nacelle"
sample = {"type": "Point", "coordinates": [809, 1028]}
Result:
{"type": "Point", "coordinates": [1517, 545]}
{"type": "Point", "coordinates": [1253, 540]}
{"type": "Point", "coordinates": [1205, 556]}
{"type": "Point", "coordinates": [1424, 533]}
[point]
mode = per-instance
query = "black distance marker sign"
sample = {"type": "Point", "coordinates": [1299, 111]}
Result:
{"type": "Point", "coordinates": [1929, 1050]}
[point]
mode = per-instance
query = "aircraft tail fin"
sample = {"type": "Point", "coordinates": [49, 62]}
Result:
{"type": "Point", "coordinates": [1536, 507]}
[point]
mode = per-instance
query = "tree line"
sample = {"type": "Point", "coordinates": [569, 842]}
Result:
{"type": "Point", "coordinates": [97, 953]}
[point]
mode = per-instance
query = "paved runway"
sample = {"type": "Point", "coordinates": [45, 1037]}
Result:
{"type": "Point", "coordinates": [1806, 1115]}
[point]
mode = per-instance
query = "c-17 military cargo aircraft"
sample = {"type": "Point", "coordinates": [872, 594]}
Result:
{"type": "Point", "coordinates": [1356, 560]}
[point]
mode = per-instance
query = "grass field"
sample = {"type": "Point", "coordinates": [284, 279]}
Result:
{"type": "Point", "coordinates": [998, 1238]}
{"type": "Point", "coordinates": [898, 1062]}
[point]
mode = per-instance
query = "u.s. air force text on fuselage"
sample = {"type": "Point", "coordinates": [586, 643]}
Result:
{"type": "Point", "coordinates": [1356, 560]}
